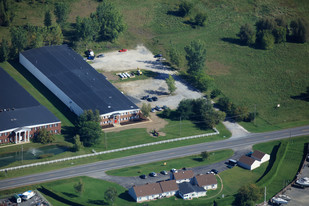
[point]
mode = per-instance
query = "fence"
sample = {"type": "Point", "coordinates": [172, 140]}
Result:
{"type": "Point", "coordinates": [109, 151]}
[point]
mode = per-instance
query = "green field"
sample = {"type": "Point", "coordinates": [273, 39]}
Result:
{"type": "Point", "coordinates": [190, 161]}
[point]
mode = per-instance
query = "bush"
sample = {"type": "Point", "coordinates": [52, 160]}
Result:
{"type": "Point", "coordinates": [185, 8]}
{"type": "Point", "coordinates": [215, 93]}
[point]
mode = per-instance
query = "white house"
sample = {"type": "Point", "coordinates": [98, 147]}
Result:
{"type": "Point", "coordinates": [207, 181]}
{"type": "Point", "coordinates": [182, 176]}
{"type": "Point", "coordinates": [248, 162]}
{"type": "Point", "coordinates": [153, 191]}
{"type": "Point", "coordinates": [146, 192]}
{"type": "Point", "coordinates": [260, 156]}
{"type": "Point", "coordinates": [188, 191]}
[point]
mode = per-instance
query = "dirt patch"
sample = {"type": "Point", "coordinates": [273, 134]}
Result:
{"type": "Point", "coordinates": [216, 68]}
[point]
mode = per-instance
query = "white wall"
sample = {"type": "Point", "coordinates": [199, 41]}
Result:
{"type": "Point", "coordinates": [50, 85]}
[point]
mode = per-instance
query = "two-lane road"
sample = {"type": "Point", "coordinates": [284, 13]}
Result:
{"type": "Point", "coordinates": [152, 157]}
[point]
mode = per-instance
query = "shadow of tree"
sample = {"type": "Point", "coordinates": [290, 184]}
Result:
{"type": "Point", "coordinates": [233, 41]}
{"type": "Point", "coordinates": [198, 159]}
{"type": "Point", "coordinates": [68, 133]}
{"type": "Point", "coordinates": [97, 202]}
{"type": "Point", "coordinates": [69, 194]}
{"type": "Point", "coordinates": [174, 13]}
{"type": "Point", "coordinates": [303, 96]}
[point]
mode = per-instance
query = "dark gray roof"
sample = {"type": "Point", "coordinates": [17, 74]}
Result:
{"type": "Point", "coordinates": [18, 108]}
{"type": "Point", "coordinates": [186, 188]}
{"type": "Point", "coordinates": [77, 79]}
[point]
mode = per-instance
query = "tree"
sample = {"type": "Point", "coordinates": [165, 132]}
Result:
{"type": "Point", "coordinates": [90, 133]}
{"type": "Point", "coordinates": [79, 187]}
{"type": "Point", "coordinates": [214, 93]}
{"type": "Point", "coordinates": [56, 36]}
{"type": "Point", "coordinates": [18, 39]}
{"type": "Point", "coordinates": [184, 8]}
{"type": "Point", "coordinates": [38, 40]}
{"type": "Point", "coordinates": [6, 13]}
{"type": "Point", "coordinates": [225, 104]}
{"type": "Point", "coordinates": [61, 12]}
{"type": "Point", "coordinates": [185, 108]}
{"type": "Point", "coordinates": [204, 155]}
{"type": "Point", "coordinates": [280, 34]}
{"type": "Point", "coordinates": [211, 118]}
{"type": "Point", "coordinates": [110, 194]}
{"type": "Point", "coordinates": [200, 19]}
{"type": "Point", "coordinates": [88, 127]}
{"type": "Point", "coordinates": [196, 56]}
{"type": "Point", "coordinates": [146, 109]}
{"type": "Point", "coordinates": [43, 136]}
{"type": "Point", "coordinates": [175, 56]}
{"type": "Point", "coordinates": [170, 81]}
{"type": "Point", "coordinates": [202, 81]}
{"type": "Point", "coordinates": [267, 40]}
{"type": "Point", "coordinates": [87, 28]}
{"type": "Point", "coordinates": [47, 19]}
{"type": "Point", "coordinates": [77, 143]}
{"type": "Point", "coordinates": [247, 35]}
{"type": "Point", "coordinates": [248, 194]}
{"type": "Point", "coordinates": [265, 24]}
{"type": "Point", "coordinates": [110, 21]}
{"type": "Point", "coordinates": [299, 31]}
{"type": "Point", "coordinates": [4, 50]}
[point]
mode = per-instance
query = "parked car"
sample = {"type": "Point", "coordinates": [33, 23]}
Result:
{"type": "Point", "coordinates": [230, 166]}
{"type": "Point", "coordinates": [163, 172]}
{"type": "Point", "coordinates": [152, 174]}
{"type": "Point", "coordinates": [100, 55]}
{"type": "Point", "coordinates": [123, 50]}
{"type": "Point", "coordinates": [161, 59]}
{"type": "Point", "coordinates": [149, 99]}
{"type": "Point", "coordinates": [153, 110]}
{"type": "Point", "coordinates": [145, 97]}
{"type": "Point", "coordinates": [215, 171]}
{"type": "Point", "coordinates": [158, 108]}
{"type": "Point", "coordinates": [154, 98]}
{"type": "Point", "coordinates": [157, 55]}
{"type": "Point", "coordinates": [164, 107]}
{"type": "Point", "coordinates": [173, 170]}
{"type": "Point", "coordinates": [143, 176]}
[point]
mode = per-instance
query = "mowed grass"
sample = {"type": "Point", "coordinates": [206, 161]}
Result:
{"type": "Point", "coordinates": [189, 161]}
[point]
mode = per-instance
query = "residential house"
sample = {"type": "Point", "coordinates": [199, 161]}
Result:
{"type": "Point", "coordinates": [153, 191]}
{"type": "Point", "coordinates": [182, 176]}
{"type": "Point", "coordinates": [188, 191]}
{"type": "Point", "coordinates": [248, 162]}
{"type": "Point", "coordinates": [260, 156]}
{"type": "Point", "coordinates": [207, 181]}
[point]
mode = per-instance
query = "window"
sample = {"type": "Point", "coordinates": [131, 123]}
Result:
{"type": "Point", "coordinates": [6, 140]}
{"type": "Point", "coordinates": [56, 131]}
{"type": "Point", "coordinates": [50, 125]}
{"type": "Point", "coordinates": [30, 135]}
{"type": "Point", "coordinates": [5, 134]}
{"type": "Point", "coordinates": [0, 140]}
{"type": "Point", "coordinates": [56, 125]}
{"type": "Point", "coordinates": [46, 126]}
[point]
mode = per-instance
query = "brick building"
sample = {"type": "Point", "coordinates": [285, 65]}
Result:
{"type": "Point", "coordinates": [78, 85]}
{"type": "Point", "coordinates": [21, 116]}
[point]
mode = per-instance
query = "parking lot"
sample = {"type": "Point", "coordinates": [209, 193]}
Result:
{"type": "Point", "coordinates": [142, 58]}
{"type": "Point", "coordinates": [37, 200]}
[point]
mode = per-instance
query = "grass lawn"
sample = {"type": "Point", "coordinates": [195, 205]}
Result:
{"type": "Point", "coordinates": [189, 161]}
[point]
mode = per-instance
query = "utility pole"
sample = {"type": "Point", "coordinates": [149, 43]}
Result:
{"type": "Point", "coordinates": [180, 126]}
{"type": "Point", "coordinates": [265, 197]}
{"type": "Point", "coordinates": [254, 113]}
{"type": "Point", "coordinates": [22, 154]}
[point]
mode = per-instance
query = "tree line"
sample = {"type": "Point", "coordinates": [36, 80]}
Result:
{"type": "Point", "coordinates": [269, 31]}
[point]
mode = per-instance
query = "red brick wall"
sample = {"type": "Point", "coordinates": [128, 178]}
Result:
{"type": "Point", "coordinates": [5, 138]}
{"type": "Point", "coordinates": [123, 118]}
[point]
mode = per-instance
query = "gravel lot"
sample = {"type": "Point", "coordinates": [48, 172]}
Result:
{"type": "Point", "coordinates": [142, 58]}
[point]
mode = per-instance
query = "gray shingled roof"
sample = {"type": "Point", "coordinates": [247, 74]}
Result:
{"type": "Point", "coordinates": [18, 108]}
{"type": "Point", "coordinates": [186, 188]}
{"type": "Point", "coordinates": [77, 79]}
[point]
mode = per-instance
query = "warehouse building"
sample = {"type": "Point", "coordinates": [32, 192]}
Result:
{"type": "Point", "coordinates": [21, 116]}
{"type": "Point", "coordinates": [78, 85]}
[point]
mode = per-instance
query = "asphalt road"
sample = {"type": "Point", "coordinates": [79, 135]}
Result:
{"type": "Point", "coordinates": [96, 167]}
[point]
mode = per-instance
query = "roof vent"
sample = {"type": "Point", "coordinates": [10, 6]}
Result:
{"type": "Point", "coordinates": [131, 106]}
{"type": "Point", "coordinates": [109, 106]}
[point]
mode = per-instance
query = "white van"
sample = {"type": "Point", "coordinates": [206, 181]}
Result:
{"type": "Point", "coordinates": [27, 195]}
